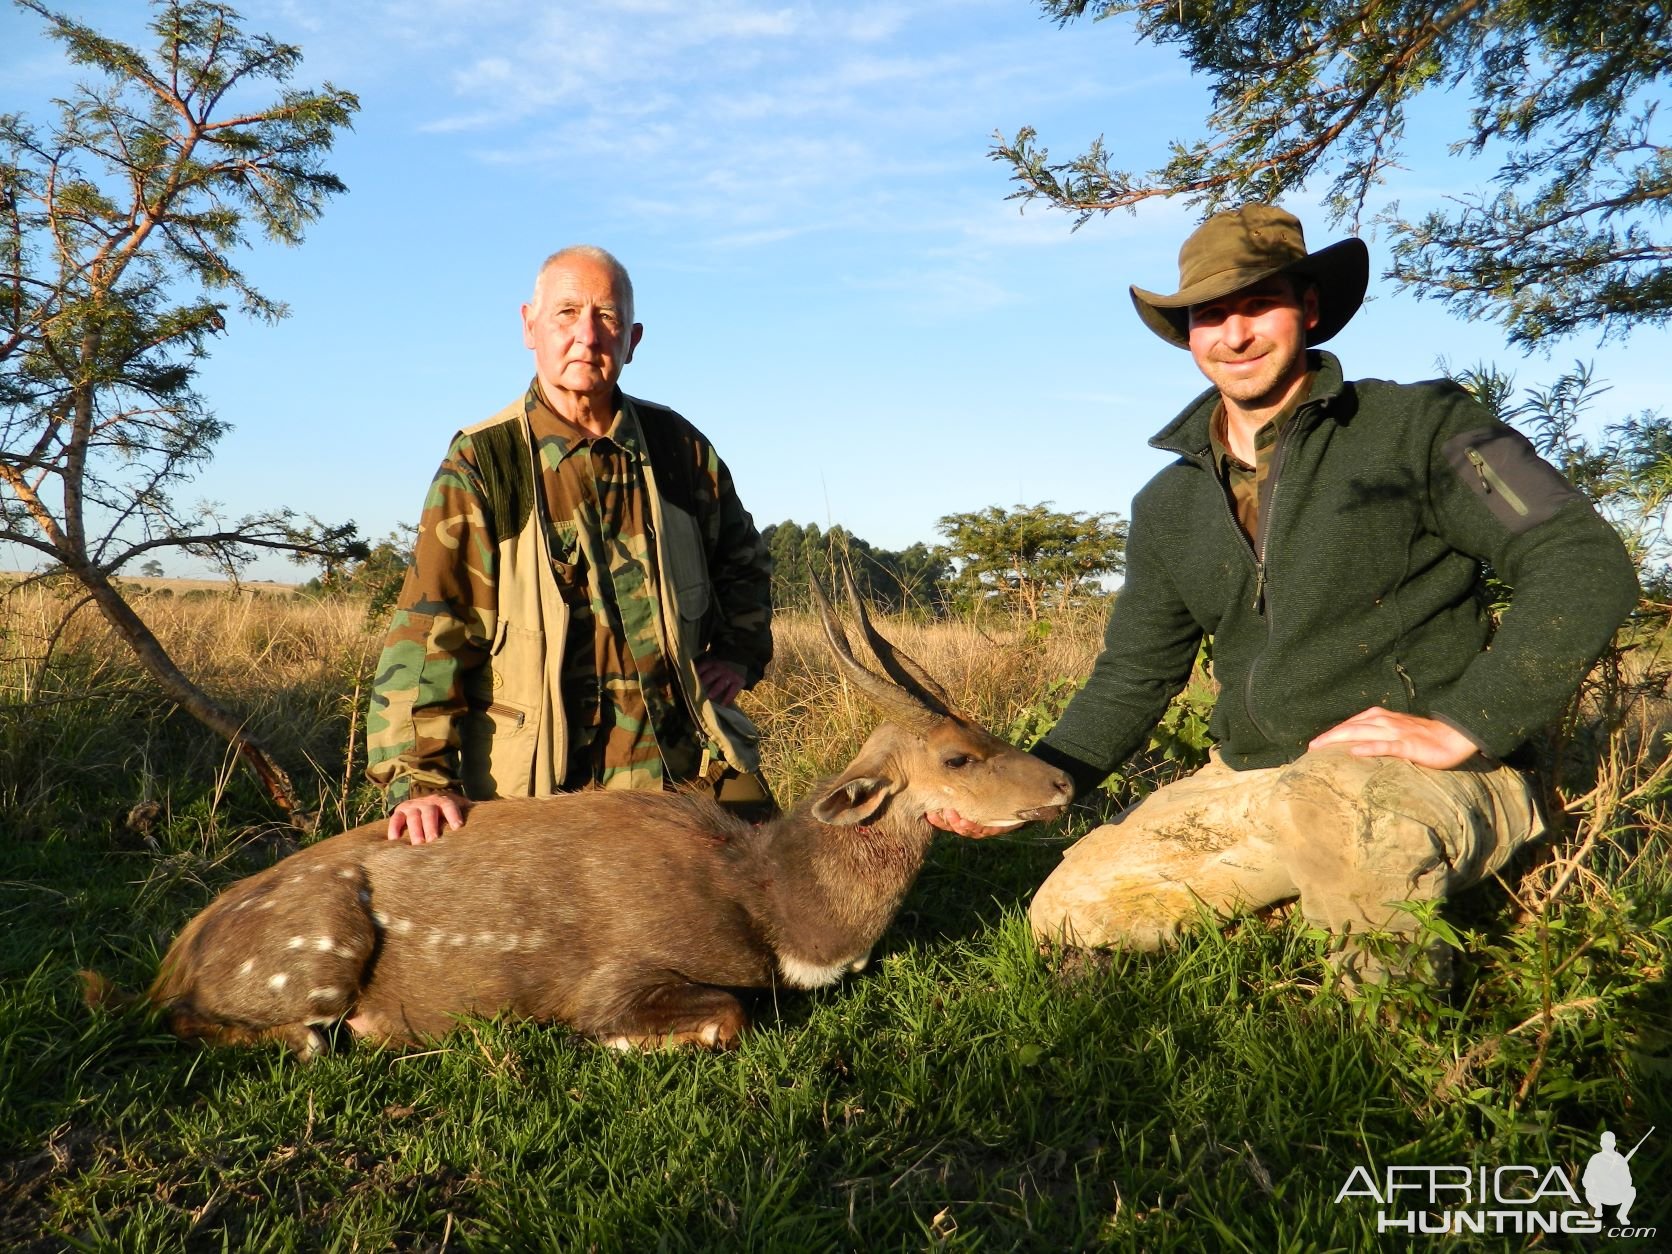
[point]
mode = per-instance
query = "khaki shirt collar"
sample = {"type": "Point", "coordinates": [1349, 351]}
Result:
{"type": "Point", "coordinates": [1264, 438]}
{"type": "Point", "coordinates": [547, 424]}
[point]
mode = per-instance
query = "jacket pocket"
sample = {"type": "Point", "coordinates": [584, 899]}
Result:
{"type": "Point", "coordinates": [1501, 468]}
{"type": "Point", "coordinates": [685, 563]}
{"type": "Point", "coordinates": [499, 733]}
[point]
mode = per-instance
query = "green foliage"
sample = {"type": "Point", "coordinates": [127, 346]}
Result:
{"type": "Point", "coordinates": [118, 226]}
{"type": "Point", "coordinates": [374, 578]}
{"type": "Point", "coordinates": [1033, 720]}
{"type": "Point", "coordinates": [1181, 737]}
{"type": "Point", "coordinates": [913, 578]}
{"type": "Point", "coordinates": [1567, 234]}
{"type": "Point", "coordinates": [1031, 560]}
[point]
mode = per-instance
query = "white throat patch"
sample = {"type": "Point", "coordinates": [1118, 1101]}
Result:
{"type": "Point", "coordinates": [799, 974]}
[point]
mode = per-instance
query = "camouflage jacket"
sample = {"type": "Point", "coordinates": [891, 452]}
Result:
{"type": "Point", "coordinates": [632, 558]}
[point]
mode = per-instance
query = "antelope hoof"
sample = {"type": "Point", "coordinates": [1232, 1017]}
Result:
{"type": "Point", "coordinates": [718, 1034]}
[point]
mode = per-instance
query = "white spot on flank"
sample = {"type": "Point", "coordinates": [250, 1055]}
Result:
{"type": "Point", "coordinates": [434, 938]}
{"type": "Point", "coordinates": [325, 944]}
{"type": "Point", "coordinates": [268, 904]}
{"type": "Point", "coordinates": [328, 993]}
{"type": "Point", "coordinates": [458, 938]}
{"type": "Point", "coordinates": [347, 873]}
{"type": "Point", "coordinates": [278, 981]}
{"type": "Point", "coordinates": [401, 927]}
{"type": "Point", "coordinates": [249, 965]}
{"type": "Point", "coordinates": [799, 974]}
{"type": "Point", "coordinates": [379, 918]}
{"type": "Point", "coordinates": [511, 942]}
{"type": "Point", "coordinates": [484, 938]}
{"type": "Point", "coordinates": [296, 942]}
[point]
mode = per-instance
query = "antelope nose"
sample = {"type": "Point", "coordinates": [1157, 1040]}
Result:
{"type": "Point", "coordinates": [1064, 785]}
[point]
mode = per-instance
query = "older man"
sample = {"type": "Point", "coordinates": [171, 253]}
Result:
{"type": "Point", "coordinates": [1329, 537]}
{"type": "Point", "coordinates": [587, 596]}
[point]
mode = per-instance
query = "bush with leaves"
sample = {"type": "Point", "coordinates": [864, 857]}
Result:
{"type": "Point", "coordinates": [119, 223]}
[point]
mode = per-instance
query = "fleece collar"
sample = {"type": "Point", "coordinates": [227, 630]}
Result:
{"type": "Point", "coordinates": [1190, 434]}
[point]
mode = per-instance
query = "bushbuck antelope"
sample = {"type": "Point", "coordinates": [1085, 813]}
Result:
{"type": "Point", "coordinates": [626, 915]}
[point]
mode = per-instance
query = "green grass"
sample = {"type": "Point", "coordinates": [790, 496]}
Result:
{"type": "Point", "coordinates": [962, 1093]}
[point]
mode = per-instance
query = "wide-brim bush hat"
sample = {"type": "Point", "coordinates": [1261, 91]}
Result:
{"type": "Point", "coordinates": [1238, 248]}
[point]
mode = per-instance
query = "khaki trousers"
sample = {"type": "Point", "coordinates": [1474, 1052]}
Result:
{"type": "Point", "coordinates": [1349, 836]}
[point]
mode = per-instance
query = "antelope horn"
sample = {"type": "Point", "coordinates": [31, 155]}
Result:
{"type": "Point", "coordinates": [898, 664]}
{"type": "Point", "coordinates": [896, 703]}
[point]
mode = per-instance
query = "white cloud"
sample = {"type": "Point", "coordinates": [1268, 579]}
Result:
{"type": "Point", "coordinates": [744, 120]}
{"type": "Point", "coordinates": [938, 294]}
{"type": "Point", "coordinates": [769, 235]}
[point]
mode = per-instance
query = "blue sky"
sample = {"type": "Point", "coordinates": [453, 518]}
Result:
{"type": "Point", "coordinates": [832, 282]}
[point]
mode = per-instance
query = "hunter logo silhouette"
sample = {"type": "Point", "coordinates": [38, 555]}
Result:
{"type": "Point", "coordinates": [1607, 1177]}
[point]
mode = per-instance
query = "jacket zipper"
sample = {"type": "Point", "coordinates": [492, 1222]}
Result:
{"type": "Point", "coordinates": [1405, 678]}
{"type": "Point", "coordinates": [1257, 550]}
{"type": "Point", "coordinates": [1492, 481]}
{"type": "Point", "coordinates": [517, 717]}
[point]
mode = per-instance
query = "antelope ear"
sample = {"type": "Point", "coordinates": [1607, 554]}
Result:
{"type": "Point", "coordinates": [853, 799]}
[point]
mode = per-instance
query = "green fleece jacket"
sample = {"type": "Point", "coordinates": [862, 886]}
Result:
{"type": "Point", "coordinates": [1361, 587]}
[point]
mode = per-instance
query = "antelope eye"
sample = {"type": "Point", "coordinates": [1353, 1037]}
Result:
{"type": "Point", "coordinates": [957, 761]}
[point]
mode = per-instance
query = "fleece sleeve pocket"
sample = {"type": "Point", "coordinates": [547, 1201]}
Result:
{"type": "Point", "coordinates": [1500, 466]}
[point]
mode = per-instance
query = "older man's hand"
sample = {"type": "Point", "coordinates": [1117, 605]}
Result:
{"type": "Point", "coordinates": [721, 681]}
{"type": "Point", "coordinates": [420, 819]}
{"type": "Point", "coordinates": [1379, 733]}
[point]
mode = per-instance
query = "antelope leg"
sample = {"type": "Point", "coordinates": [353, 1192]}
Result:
{"type": "Point", "coordinates": [675, 1012]}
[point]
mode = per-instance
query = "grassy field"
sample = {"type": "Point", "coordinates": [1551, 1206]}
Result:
{"type": "Point", "coordinates": [964, 1093]}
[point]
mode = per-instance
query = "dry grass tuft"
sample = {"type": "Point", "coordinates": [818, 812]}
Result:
{"type": "Point", "coordinates": [299, 666]}
{"type": "Point", "coordinates": [996, 671]}
{"type": "Point", "coordinates": [238, 645]}
{"type": "Point", "coordinates": [78, 714]}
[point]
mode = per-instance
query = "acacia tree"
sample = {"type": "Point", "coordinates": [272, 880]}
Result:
{"type": "Point", "coordinates": [1032, 558]}
{"type": "Point", "coordinates": [1566, 235]}
{"type": "Point", "coordinates": [118, 225]}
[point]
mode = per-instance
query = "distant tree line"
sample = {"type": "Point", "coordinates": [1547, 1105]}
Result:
{"type": "Point", "coordinates": [1029, 561]}
{"type": "Point", "coordinates": [915, 578]}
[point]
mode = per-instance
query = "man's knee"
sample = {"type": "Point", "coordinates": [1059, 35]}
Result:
{"type": "Point", "coordinates": [1357, 833]}
{"type": "Point", "coordinates": [1142, 915]}
{"type": "Point", "coordinates": [1134, 885]}
{"type": "Point", "coordinates": [1389, 818]}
